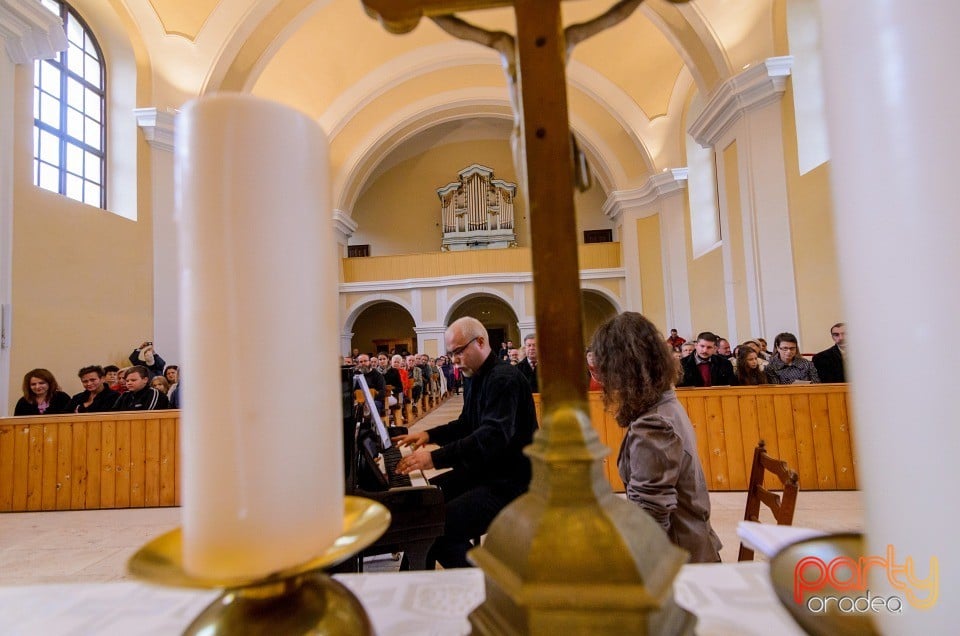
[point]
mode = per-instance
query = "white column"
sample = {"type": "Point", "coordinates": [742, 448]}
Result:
{"type": "Point", "coordinates": [673, 247]}
{"type": "Point", "coordinates": [343, 228]}
{"type": "Point", "coordinates": [157, 126]}
{"type": "Point", "coordinates": [894, 135]}
{"type": "Point", "coordinates": [346, 340]}
{"type": "Point", "coordinates": [430, 332]}
{"type": "Point", "coordinates": [625, 208]}
{"type": "Point", "coordinates": [525, 326]}
{"type": "Point", "coordinates": [746, 109]}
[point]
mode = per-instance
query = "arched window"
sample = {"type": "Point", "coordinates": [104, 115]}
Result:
{"type": "Point", "coordinates": [69, 140]}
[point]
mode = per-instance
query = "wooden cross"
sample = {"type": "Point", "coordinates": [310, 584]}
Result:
{"type": "Point", "coordinates": [545, 137]}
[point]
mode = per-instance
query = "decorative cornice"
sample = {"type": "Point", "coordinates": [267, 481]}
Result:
{"type": "Point", "coordinates": [343, 225]}
{"type": "Point", "coordinates": [430, 330]}
{"type": "Point", "coordinates": [468, 279]}
{"type": "Point", "coordinates": [753, 88]}
{"type": "Point", "coordinates": [157, 125]}
{"type": "Point", "coordinates": [656, 187]}
{"type": "Point", "coordinates": [30, 31]}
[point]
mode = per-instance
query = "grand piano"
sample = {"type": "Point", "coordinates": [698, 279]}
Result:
{"type": "Point", "coordinates": [417, 513]}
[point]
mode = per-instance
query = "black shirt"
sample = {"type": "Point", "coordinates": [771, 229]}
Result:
{"type": "Point", "coordinates": [498, 420]}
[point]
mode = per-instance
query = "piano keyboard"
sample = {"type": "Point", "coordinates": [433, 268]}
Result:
{"type": "Point", "coordinates": [390, 458]}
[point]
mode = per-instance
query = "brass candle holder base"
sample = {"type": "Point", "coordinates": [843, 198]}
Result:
{"type": "Point", "coordinates": [299, 600]}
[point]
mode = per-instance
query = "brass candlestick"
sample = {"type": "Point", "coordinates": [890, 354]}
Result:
{"type": "Point", "coordinates": [299, 600]}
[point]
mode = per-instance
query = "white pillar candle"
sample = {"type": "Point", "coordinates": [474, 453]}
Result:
{"type": "Point", "coordinates": [262, 469]}
{"type": "Point", "coordinates": [894, 135]}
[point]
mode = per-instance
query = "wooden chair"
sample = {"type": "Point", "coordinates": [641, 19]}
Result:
{"type": "Point", "coordinates": [782, 506]}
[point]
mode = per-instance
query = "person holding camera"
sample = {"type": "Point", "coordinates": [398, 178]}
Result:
{"type": "Point", "coordinates": [145, 355]}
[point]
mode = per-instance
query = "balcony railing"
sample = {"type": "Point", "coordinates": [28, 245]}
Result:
{"type": "Point", "coordinates": [445, 264]}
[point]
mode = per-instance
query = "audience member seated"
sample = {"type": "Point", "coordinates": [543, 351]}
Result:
{"type": "Point", "coordinates": [111, 377]}
{"type": "Point", "coordinates": [829, 362]}
{"type": "Point", "coordinates": [416, 381]}
{"type": "Point", "coordinates": [160, 384]}
{"type": "Point", "coordinates": [687, 348]}
{"type": "Point", "coordinates": [748, 366]}
{"type": "Point", "coordinates": [788, 366]}
{"type": "Point", "coordinates": [378, 388]}
{"type": "Point", "coordinates": [723, 348]}
{"type": "Point", "coordinates": [528, 366]}
{"type": "Point", "coordinates": [593, 380]}
{"type": "Point", "coordinates": [514, 358]}
{"type": "Point", "coordinates": [145, 356]}
{"type": "Point", "coordinates": [140, 396]}
{"type": "Point", "coordinates": [172, 374]}
{"type": "Point", "coordinates": [658, 458]}
{"type": "Point", "coordinates": [383, 363]}
{"type": "Point", "coordinates": [392, 377]}
{"type": "Point", "coordinates": [705, 367]}
{"type": "Point", "coordinates": [41, 395]}
{"type": "Point", "coordinates": [765, 353]}
{"type": "Point", "coordinates": [675, 340]}
{"type": "Point", "coordinates": [97, 397]}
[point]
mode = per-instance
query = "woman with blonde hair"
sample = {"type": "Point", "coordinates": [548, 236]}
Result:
{"type": "Point", "coordinates": [41, 395]}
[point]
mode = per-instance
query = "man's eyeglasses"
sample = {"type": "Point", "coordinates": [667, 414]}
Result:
{"type": "Point", "coordinates": [459, 350]}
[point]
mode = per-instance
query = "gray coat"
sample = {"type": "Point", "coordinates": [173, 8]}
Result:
{"type": "Point", "coordinates": [661, 470]}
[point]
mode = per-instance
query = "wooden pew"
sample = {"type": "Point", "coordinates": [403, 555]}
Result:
{"type": "Point", "coordinates": [808, 426]}
{"type": "Point", "coordinates": [89, 461]}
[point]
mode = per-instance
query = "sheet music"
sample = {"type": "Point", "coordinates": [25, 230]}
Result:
{"type": "Point", "coordinates": [374, 412]}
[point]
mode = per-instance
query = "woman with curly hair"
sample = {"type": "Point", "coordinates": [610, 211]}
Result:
{"type": "Point", "coordinates": [658, 459]}
{"type": "Point", "coordinates": [41, 395]}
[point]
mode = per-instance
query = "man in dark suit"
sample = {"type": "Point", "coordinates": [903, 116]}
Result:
{"type": "Point", "coordinates": [705, 367]}
{"type": "Point", "coordinates": [829, 362]}
{"type": "Point", "coordinates": [528, 366]}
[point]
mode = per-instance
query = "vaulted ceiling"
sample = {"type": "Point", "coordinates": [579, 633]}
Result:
{"type": "Point", "coordinates": [382, 97]}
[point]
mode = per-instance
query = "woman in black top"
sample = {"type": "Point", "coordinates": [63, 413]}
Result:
{"type": "Point", "coordinates": [41, 395]}
{"type": "Point", "coordinates": [98, 397]}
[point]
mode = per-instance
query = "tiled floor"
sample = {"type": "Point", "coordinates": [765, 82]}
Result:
{"type": "Point", "coordinates": [93, 546]}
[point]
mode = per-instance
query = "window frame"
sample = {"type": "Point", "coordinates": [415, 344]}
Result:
{"type": "Point", "coordinates": [62, 64]}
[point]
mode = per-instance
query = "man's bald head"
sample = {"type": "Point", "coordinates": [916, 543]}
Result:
{"type": "Point", "coordinates": [467, 343]}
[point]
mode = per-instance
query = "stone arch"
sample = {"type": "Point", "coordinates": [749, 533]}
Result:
{"type": "Point", "coordinates": [382, 325]}
{"type": "Point", "coordinates": [368, 301]}
{"type": "Point", "coordinates": [598, 305]}
{"type": "Point", "coordinates": [504, 325]}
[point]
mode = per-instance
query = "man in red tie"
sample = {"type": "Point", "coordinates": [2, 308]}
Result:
{"type": "Point", "coordinates": [705, 367]}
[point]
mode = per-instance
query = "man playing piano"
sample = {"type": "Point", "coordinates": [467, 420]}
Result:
{"type": "Point", "coordinates": [483, 446]}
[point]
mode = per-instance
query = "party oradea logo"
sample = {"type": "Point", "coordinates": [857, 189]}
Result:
{"type": "Point", "coordinates": [842, 584]}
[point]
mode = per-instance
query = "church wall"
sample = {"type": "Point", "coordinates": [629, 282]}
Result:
{"type": "Point", "coordinates": [651, 271]}
{"type": "Point", "coordinates": [811, 225]}
{"type": "Point", "coordinates": [734, 238]}
{"type": "Point", "coordinates": [399, 213]}
{"type": "Point", "coordinates": [81, 277]}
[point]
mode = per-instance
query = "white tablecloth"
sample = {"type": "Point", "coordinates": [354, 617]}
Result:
{"type": "Point", "coordinates": [734, 599]}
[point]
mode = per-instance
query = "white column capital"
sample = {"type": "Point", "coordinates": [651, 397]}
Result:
{"type": "Point", "coordinates": [658, 186]}
{"type": "Point", "coordinates": [346, 339]}
{"type": "Point", "coordinates": [343, 226]}
{"type": "Point", "coordinates": [30, 31]}
{"type": "Point", "coordinates": [753, 88]}
{"type": "Point", "coordinates": [431, 330]}
{"type": "Point", "coordinates": [526, 327]}
{"type": "Point", "coordinates": [157, 126]}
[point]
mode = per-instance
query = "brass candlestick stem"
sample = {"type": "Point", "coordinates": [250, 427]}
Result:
{"type": "Point", "coordinates": [299, 600]}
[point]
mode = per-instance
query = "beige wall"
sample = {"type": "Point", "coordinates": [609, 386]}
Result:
{"type": "Point", "coordinates": [81, 277]}
{"type": "Point", "coordinates": [651, 271]}
{"type": "Point", "coordinates": [811, 225]}
{"type": "Point", "coordinates": [734, 239]}
{"type": "Point", "coordinates": [399, 213]}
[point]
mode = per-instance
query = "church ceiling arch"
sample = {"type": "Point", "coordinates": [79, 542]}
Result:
{"type": "Point", "coordinates": [489, 306]}
{"type": "Point", "coordinates": [372, 300]}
